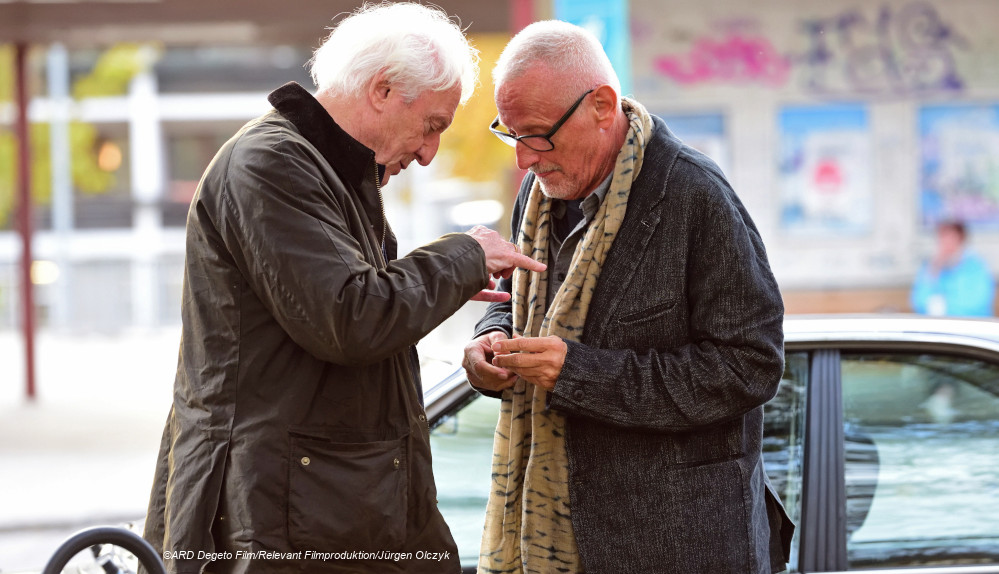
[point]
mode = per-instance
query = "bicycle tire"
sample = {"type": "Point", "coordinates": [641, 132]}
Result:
{"type": "Point", "coordinates": [120, 537]}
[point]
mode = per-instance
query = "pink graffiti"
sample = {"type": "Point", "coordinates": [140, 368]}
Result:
{"type": "Point", "coordinates": [734, 59]}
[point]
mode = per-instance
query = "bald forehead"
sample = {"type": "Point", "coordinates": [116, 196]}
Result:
{"type": "Point", "coordinates": [537, 81]}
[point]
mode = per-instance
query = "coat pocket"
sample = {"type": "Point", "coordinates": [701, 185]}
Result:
{"type": "Point", "coordinates": [654, 313]}
{"type": "Point", "coordinates": [346, 496]}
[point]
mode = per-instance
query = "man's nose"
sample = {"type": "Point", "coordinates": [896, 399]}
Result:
{"type": "Point", "coordinates": [429, 149]}
{"type": "Point", "coordinates": [526, 157]}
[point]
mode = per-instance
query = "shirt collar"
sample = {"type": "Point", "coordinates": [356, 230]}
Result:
{"type": "Point", "coordinates": [591, 203]}
{"type": "Point", "coordinates": [349, 157]}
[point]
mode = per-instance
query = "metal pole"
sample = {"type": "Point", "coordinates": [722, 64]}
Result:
{"type": "Point", "coordinates": [24, 216]}
{"type": "Point", "coordinates": [61, 307]}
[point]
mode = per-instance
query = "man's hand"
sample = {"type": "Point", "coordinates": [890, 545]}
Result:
{"type": "Point", "coordinates": [502, 256]}
{"type": "Point", "coordinates": [478, 367]}
{"type": "Point", "coordinates": [537, 360]}
{"type": "Point", "coordinates": [490, 295]}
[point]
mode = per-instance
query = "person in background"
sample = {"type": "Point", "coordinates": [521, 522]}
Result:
{"type": "Point", "coordinates": [632, 372]}
{"type": "Point", "coordinates": [297, 422]}
{"type": "Point", "coordinates": [955, 281]}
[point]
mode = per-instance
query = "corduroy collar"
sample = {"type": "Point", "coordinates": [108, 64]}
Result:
{"type": "Point", "coordinates": [349, 157]}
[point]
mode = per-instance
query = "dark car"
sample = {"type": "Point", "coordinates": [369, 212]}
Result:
{"type": "Point", "coordinates": [883, 441]}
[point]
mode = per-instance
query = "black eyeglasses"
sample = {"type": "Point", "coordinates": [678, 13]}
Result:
{"type": "Point", "coordinates": [540, 142]}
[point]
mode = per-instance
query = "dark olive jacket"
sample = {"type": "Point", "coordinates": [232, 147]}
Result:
{"type": "Point", "coordinates": [682, 345]}
{"type": "Point", "coordinates": [297, 422]}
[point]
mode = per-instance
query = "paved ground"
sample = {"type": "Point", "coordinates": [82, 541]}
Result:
{"type": "Point", "coordinates": [82, 453]}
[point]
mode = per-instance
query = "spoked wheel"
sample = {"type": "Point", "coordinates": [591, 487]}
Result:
{"type": "Point", "coordinates": [106, 549]}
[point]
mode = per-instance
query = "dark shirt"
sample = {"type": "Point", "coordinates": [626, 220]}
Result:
{"type": "Point", "coordinates": [570, 218]}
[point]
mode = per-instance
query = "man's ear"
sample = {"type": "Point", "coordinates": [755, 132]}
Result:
{"type": "Point", "coordinates": [378, 90]}
{"type": "Point", "coordinates": [605, 105]}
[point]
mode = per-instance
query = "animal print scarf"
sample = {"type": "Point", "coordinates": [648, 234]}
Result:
{"type": "Point", "coordinates": [528, 527]}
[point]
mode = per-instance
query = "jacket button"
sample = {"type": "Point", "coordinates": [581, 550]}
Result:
{"type": "Point", "coordinates": [423, 418]}
{"type": "Point", "coordinates": [305, 461]}
{"type": "Point", "coordinates": [395, 463]}
{"type": "Point", "coordinates": [578, 394]}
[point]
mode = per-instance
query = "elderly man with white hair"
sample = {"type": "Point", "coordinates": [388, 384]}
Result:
{"type": "Point", "coordinates": [297, 439]}
{"type": "Point", "coordinates": [633, 370]}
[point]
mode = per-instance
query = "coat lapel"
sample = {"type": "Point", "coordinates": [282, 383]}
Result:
{"type": "Point", "coordinates": [640, 223]}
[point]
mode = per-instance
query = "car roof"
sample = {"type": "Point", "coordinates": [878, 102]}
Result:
{"type": "Point", "coordinates": [889, 329]}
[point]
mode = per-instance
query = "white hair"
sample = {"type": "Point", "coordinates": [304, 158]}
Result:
{"type": "Point", "coordinates": [561, 47]}
{"type": "Point", "coordinates": [418, 47]}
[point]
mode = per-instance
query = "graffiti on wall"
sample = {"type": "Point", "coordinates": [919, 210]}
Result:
{"type": "Point", "coordinates": [895, 50]}
{"type": "Point", "coordinates": [903, 51]}
{"type": "Point", "coordinates": [734, 58]}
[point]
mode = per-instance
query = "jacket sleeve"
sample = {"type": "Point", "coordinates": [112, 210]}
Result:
{"type": "Point", "coordinates": [974, 289]}
{"type": "Point", "coordinates": [293, 244]}
{"type": "Point", "coordinates": [922, 290]}
{"type": "Point", "coordinates": [733, 358]}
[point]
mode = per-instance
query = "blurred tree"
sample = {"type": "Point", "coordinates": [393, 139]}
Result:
{"type": "Point", "coordinates": [113, 71]}
{"type": "Point", "coordinates": [110, 76]}
{"type": "Point", "coordinates": [6, 73]}
{"type": "Point", "coordinates": [473, 152]}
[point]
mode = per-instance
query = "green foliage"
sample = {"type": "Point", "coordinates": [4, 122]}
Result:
{"type": "Point", "coordinates": [113, 71]}
{"type": "Point", "coordinates": [87, 176]}
{"type": "Point", "coordinates": [8, 164]}
{"type": "Point", "coordinates": [41, 174]}
{"type": "Point", "coordinates": [111, 75]}
{"type": "Point", "coordinates": [6, 73]}
{"type": "Point", "coordinates": [475, 152]}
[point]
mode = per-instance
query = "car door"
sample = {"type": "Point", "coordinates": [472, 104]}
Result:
{"type": "Point", "coordinates": [884, 457]}
{"type": "Point", "coordinates": [901, 459]}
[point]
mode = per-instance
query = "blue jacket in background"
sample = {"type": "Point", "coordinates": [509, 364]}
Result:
{"type": "Point", "coordinates": [968, 288]}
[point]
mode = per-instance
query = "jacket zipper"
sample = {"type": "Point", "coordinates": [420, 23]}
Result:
{"type": "Point", "coordinates": [381, 204]}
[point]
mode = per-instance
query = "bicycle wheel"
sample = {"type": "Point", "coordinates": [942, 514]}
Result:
{"type": "Point", "coordinates": [100, 535]}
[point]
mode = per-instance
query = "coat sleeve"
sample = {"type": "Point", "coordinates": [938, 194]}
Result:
{"type": "Point", "coordinates": [294, 246]}
{"type": "Point", "coordinates": [732, 360]}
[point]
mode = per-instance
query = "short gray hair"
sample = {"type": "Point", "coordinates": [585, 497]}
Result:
{"type": "Point", "coordinates": [419, 47]}
{"type": "Point", "coordinates": [562, 47]}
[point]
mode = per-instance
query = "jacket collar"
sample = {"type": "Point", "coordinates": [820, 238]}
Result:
{"type": "Point", "coordinates": [349, 157]}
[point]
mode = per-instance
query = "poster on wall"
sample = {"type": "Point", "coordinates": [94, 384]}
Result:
{"type": "Point", "coordinates": [703, 132]}
{"type": "Point", "coordinates": [825, 171]}
{"type": "Point", "coordinates": [960, 164]}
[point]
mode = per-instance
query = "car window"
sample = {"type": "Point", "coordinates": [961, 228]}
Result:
{"type": "Point", "coordinates": [784, 441]}
{"type": "Point", "coordinates": [921, 460]}
{"type": "Point", "coordinates": [462, 448]}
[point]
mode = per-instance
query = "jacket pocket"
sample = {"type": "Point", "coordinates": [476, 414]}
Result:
{"type": "Point", "coordinates": [347, 495]}
{"type": "Point", "coordinates": [659, 326]}
{"type": "Point", "coordinates": [653, 313]}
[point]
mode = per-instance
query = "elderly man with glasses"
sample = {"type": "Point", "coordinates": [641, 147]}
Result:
{"type": "Point", "coordinates": [632, 371]}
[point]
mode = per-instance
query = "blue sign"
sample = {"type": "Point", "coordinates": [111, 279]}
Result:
{"type": "Point", "coordinates": [608, 21]}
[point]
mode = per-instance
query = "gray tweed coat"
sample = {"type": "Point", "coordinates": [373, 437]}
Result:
{"type": "Point", "coordinates": [682, 345]}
